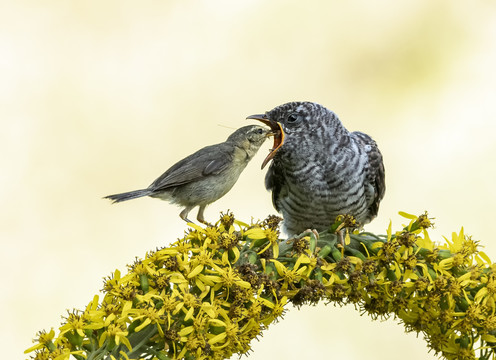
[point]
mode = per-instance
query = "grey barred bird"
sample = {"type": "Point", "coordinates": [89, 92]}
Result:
{"type": "Point", "coordinates": [319, 169]}
{"type": "Point", "coordinates": [205, 176]}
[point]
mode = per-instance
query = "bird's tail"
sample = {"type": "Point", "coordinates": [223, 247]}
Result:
{"type": "Point", "coordinates": [128, 195]}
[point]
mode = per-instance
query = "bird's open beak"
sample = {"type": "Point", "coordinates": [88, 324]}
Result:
{"type": "Point", "coordinates": [276, 131]}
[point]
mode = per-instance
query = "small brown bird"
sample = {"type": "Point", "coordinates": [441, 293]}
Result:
{"type": "Point", "coordinates": [320, 170]}
{"type": "Point", "coordinates": [205, 176]}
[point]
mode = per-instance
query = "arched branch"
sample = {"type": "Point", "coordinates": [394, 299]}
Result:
{"type": "Point", "coordinates": [210, 293]}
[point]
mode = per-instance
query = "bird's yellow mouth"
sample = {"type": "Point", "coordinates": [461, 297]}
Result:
{"type": "Point", "coordinates": [277, 131]}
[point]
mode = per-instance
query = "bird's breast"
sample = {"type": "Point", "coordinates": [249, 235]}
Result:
{"type": "Point", "coordinates": [318, 187]}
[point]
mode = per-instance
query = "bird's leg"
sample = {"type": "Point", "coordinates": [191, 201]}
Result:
{"type": "Point", "coordinates": [184, 214]}
{"type": "Point", "coordinates": [200, 217]}
{"type": "Point", "coordinates": [341, 237]}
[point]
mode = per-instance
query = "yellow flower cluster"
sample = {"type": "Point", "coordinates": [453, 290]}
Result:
{"type": "Point", "coordinates": [210, 293]}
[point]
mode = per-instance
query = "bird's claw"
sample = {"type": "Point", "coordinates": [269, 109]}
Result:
{"type": "Point", "coordinates": [205, 222]}
{"type": "Point", "coordinates": [313, 231]}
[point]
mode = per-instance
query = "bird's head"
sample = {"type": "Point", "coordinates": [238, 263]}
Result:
{"type": "Point", "coordinates": [250, 138]}
{"type": "Point", "coordinates": [292, 119]}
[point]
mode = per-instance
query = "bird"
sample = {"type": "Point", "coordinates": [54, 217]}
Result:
{"type": "Point", "coordinates": [206, 175]}
{"type": "Point", "coordinates": [319, 169]}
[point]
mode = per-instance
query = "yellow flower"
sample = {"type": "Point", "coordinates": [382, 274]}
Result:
{"type": "Point", "coordinates": [457, 240]}
{"type": "Point", "coordinates": [268, 235]}
{"type": "Point", "coordinates": [255, 233]}
{"type": "Point", "coordinates": [117, 333]}
{"type": "Point", "coordinates": [289, 276]}
{"type": "Point", "coordinates": [77, 323]}
{"type": "Point", "coordinates": [44, 340]}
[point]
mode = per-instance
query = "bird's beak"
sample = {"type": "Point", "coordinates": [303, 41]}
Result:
{"type": "Point", "coordinates": [276, 130]}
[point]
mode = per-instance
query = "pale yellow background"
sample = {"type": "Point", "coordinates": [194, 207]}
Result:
{"type": "Point", "coordinates": [98, 97]}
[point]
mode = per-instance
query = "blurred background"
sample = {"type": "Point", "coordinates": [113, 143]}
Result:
{"type": "Point", "coordinates": [102, 97]}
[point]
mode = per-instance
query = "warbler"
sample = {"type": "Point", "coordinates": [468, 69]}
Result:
{"type": "Point", "coordinates": [206, 175]}
{"type": "Point", "coordinates": [319, 169]}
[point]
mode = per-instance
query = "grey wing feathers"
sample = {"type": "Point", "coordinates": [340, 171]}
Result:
{"type": "Point", "coordinates": [375, 173]}
{"type": "Point", "coordinates": [379, 183]}
{"type": "Point", "coordinates": [275, 181]}
{"type": "Point", "coordinates": [207, 161]}
{"type": "Point", "coordinates": [215, 166]}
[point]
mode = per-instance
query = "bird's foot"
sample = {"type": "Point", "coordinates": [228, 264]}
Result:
{"type": "Point", "coordinates": [313, 231]}
{"type": "Point", "coordinates": [205, 222]}
{"type": "Point", "coordinates": [300, 244]}
{"type": "Point", "coordinates": [200, 217]}
{"type": "Point", "coordinates": [184, 214]}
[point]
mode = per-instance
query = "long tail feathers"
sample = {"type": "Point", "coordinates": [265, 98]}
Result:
{"type": "Point", "coordinates": [128, 195]}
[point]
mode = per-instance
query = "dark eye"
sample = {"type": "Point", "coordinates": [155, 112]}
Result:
{"type": "Point", "coordinates": [293, 118]}
{"type": "Point", "coordinates": [259, 131]}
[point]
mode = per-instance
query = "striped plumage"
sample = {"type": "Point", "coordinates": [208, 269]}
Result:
{"type": "Point", "coordinates": [322, 170]}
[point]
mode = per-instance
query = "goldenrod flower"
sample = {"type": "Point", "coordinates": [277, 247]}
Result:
{"type": "Point", "coordinates": [209, 294]}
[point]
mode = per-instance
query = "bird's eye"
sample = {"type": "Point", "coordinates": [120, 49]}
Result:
{"type": "Point", "coordinates": [293, 118]}
{"type": "Point", "coordinates": [259, 131]}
